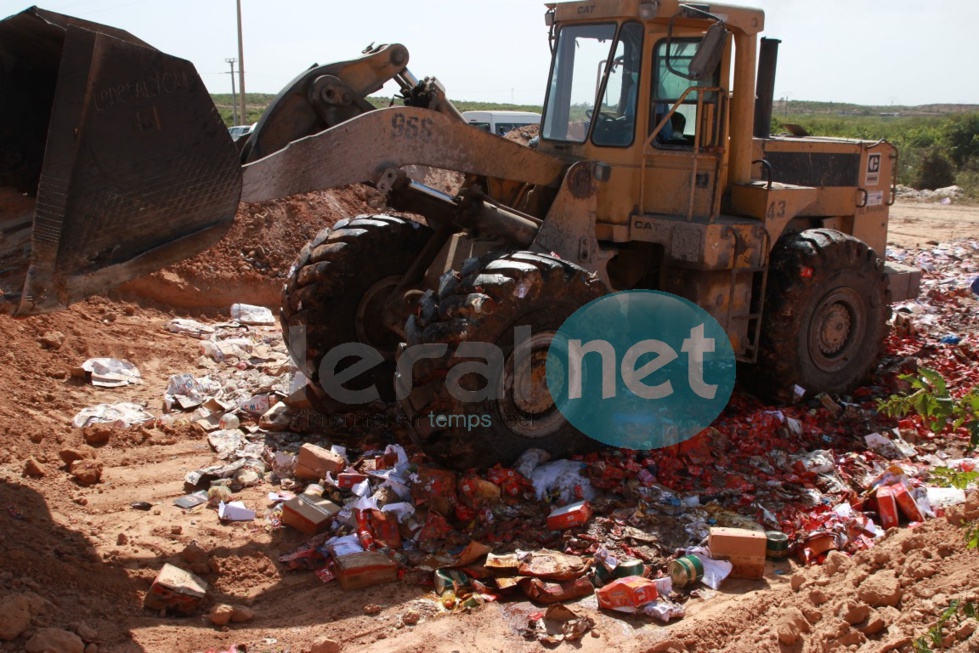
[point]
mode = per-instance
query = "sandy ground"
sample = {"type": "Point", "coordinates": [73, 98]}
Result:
{"type": "Point", "coordinates": [84, 555]}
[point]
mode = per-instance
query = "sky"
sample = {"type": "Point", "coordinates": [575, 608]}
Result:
{"type": "Point", "coordinates": [875, 52]}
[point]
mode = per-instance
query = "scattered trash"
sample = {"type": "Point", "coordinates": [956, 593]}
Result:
{"type": "Point", "coordinates": [627, 593]}
{"type": "Point", "coordinates": [744, 549]}
{"type": "Point", "coordinates": [364, 569]}
{"type": "Point", "coordinates": [557, 624]}
{"type": "Point", "coordinates": [175, 590]}
{"type": "Point", "coordinates": [235, 511]}
{"type": "Point", "coordinates": [249, 314]}
{"type": "Point", "coordinates": [571, 515]}
{"type": "Point", "coordinates": [121, 415]}
{"type": "Point", "coordinates": [110, 372]}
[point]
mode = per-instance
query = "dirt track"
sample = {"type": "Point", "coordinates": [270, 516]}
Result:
{"type": "Point", "coordinates": [916, 223]}
{"type": "Point", "coordinates": [90, 556]}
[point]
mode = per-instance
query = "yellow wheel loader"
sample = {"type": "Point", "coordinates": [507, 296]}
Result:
{"type": "Point", "coordinates": [654, 169]}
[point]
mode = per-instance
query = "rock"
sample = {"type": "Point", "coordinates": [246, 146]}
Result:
{"type": "Point", "coordinates": [87, 471]}
{"type": "Point", "coordinates": [52, 340]}
{"type": "Point", "coordinates": [36, 603]}
{"type": "Point", "coordinates": [836, 562]}
{"type": "Point", "coordinates": [797, 581]}
{"type": "Point", "coordinates": [92, 647]}
{"type": "Point", "coordinates": [873, 625]}
{"type": "Point", "coordinates": [86, 632]}
{"type": "Point", "coordinates": [966, 629]}
{"type": "Point", "coordinates": [411, 618]}
{"type": "Point", "coordinates": [325, 645]}
{"type": "Point", "coordinates": [372, 609]}
{"type": "Point", "coordinates": [122, 539]}
{"type": "Point", "coordinates": [242, 614]}
{"type": "Point", "coordinates": [853, 612]}
{"type": "Point", "coordinates": [97, 434]}
{"type": "Point", "coordinates": [881, 588]}
{"type": "Point", "coordinates": [176, 529]}
{"type": "Point", "coordinates": [818, 597]}
{"type": "Point", "coordinates": [791, 625]}
{"type": "Point", "coordinates": [55, 640]}
{"type": "Point", "coordinates": [221, 614]}
{"type": "Point", "coordinates": [83, 452]}
{"type": "Point", "coordinates": [15, 616]}
{"type": "Point", "coordinates": [33, 468]}
{"type": "Point", "coordinates": [196, 558]}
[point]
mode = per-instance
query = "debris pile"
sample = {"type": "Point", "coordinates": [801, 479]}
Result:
{"type": "Point", "coordinates": [636, 532]}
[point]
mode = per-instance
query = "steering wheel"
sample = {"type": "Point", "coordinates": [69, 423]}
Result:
{"type": "Point", "coordinates": [603, 115]}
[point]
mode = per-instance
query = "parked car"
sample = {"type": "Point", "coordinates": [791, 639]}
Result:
{"type": "Point", "coordinates": [500, 122]}
{"type": "Point", "coordinates": [238, 131]}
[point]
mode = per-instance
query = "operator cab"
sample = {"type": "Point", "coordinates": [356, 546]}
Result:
{"type": "Point", "coordinates": [596, 94]}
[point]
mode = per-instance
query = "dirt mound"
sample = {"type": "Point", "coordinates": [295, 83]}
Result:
{"type": "Point", "coordinates": [250, 263]}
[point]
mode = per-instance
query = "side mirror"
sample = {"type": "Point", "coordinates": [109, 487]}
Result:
{"type": "Point", "coordinates": [709, 52]}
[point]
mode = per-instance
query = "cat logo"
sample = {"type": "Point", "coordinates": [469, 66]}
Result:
{"type": "Point", "coordinates": [582, 11]}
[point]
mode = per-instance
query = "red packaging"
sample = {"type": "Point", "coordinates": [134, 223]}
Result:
{"type": "Point", "coordinates": [571, 515]}
{"type": "Point", "coordinates": [346, 480]}
{"type": "Point", "coordinates": [177, 590]}
{"type": "Point", "coordinates": [548, 592]}
{"type": "Point", "coordinates": [631, 592]}
{"type": "Point", "coordinates": [386, 529]}
{"type": "Point", "coordinates": [906, 503]}
{"type": "Point", "coordinates": [364, 569]}
{"type": "Point", "coordinates": [887, 506]}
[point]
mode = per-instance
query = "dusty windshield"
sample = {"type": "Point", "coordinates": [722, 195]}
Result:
{"type": "Point", "coordinates": [580, 59]}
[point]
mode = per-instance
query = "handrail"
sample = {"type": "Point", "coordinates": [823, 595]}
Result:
{"type": "Point", "coordinates": [698, 135]}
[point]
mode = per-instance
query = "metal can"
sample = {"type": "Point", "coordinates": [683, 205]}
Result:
{"type": "Point", "coordinates": [776, 545]}
{"type": "Point", "coordinates": [628, 567]}
{"type": "Point", "coordinates": [686, 570]}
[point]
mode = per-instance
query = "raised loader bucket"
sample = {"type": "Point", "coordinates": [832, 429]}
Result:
{"type": "Point", "coordinates": [114, 161]}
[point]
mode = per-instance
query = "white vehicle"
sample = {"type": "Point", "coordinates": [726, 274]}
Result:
{"type": "Point", "coordinates": [238, 131]}
{"type": "Point", "coordinates": [500, 122]}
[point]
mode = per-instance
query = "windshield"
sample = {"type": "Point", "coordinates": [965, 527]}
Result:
{"type": "Point", "coordinates": [579, 61]}
{"type": "Point", "coordinates": [581, 98]}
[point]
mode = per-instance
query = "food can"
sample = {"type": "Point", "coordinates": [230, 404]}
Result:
{"type": "Point", "coordinates": [630, 567]}
{"type": "Point", "coordinates": [776, 545]}
{"type": "Point", "coordinates": [686, 570]}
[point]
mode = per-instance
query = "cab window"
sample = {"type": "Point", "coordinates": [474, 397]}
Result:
{"type": "Point", "coordinates": [668, 87]}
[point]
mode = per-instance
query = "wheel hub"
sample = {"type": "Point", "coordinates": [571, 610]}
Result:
{"type": "Point", "coordinates": [526, 398]}
{"type": "Point", "coordinates": [370, 325]}
{"type": "Point", "coordinates": [835, 329]}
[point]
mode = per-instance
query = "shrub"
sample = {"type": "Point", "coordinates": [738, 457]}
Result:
{"type": "Point", "coordinates": [934, 170]}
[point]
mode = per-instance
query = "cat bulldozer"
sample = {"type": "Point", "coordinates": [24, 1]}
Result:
{"type": "Point", "coordinates": [654, 168]}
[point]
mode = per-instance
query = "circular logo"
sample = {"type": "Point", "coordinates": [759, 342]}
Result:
{"type": "Point", "coordinates": [640, 369]}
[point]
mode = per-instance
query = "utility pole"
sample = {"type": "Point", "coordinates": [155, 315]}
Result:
{"type": "Point", "coordinates": [241, 69]}
{"type": "Point", "coordinates": [234, 98]}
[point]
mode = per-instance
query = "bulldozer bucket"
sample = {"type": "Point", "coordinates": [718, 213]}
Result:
{"type": "Point", "coordinates": [114, 161]}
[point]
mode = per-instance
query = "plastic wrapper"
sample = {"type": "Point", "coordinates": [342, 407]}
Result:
{"type": "Point", "coordinates": [121, 415]}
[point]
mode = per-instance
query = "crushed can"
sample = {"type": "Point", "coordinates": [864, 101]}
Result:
{"type": "Point", "coordinates": [685, 571]}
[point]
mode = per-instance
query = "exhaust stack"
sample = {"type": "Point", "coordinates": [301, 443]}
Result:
{"type": "Point", "coordinates": [765, 89]}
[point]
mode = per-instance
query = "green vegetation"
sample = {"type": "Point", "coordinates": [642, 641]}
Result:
{"type": "Point", "coordinates": [934, 639]}
{"type": "Point", "coordinates": [934, 403]}
{"type": "Point", "coordinates": [938, 145]}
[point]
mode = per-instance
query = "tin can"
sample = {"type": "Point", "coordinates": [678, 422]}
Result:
{"type": "Point", "coordinates": [776, 545]}
{"type": "Point", "coordinates": [686, 571]}
{"type": "Point", "coordinates": [628, 567]}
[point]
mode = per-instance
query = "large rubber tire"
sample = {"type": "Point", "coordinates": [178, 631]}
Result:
{"type": "Point", "coordinates": [335, 290]}
{"type": "Point", "coordinates": [825, 317]}
{"type": "Point", "coordinates": [483, 304]}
